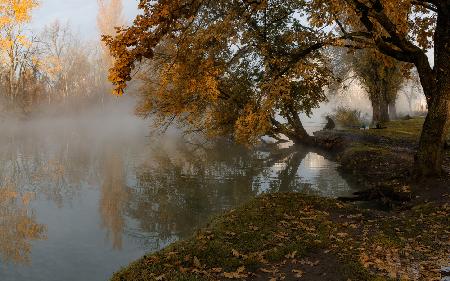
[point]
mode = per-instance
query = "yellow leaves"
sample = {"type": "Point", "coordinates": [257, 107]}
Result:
{"type": "Point", "coordinates": [16, 12]}
{"type": "Point", "coordinates": [251, 124]}
{"type": "Point", "coordinates": [13, 15]}
{"type": "Point", "coordinates": [118, 91]}
{"type": "Point", "coordinates": [6, 43]}
{"type": "Point", "coordinates": [51, 65]}
{"type": "Point", "coordinates": [27, 197]}
{"type": "Point", "coordinates": [5, 20]}
{"type": "Point", "coordinates": [18, 227]}
{"type": "Point", "coordinates": [22, 9]}
{"type": "Point", "coordinates": [8, 193]}
{"type": "Point", "coordinates": [23, 40]}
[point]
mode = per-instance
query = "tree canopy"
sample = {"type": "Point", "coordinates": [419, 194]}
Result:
{"type": "Point", "coordinates": [232, 69]}
{"type": "Point", "coordinates": [281, 33]}
{"type": "Point", "coordinates": [382, 77]}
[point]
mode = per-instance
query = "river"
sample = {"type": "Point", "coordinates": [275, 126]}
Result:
{"type": "Point", "coordinates": [82, 197]}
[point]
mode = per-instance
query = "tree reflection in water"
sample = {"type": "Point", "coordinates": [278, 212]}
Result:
{"type": "Point", "coordinates": [155, 193]}
{"type": "Point", "coordinates": [18, 226]}
{"type": "Point", "coordinates": [179, 191]}
{"type": "Point", "coordinates": [114, 196]}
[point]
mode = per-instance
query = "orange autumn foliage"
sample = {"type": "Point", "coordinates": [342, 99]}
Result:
{"type": "Point", "coordinates": [280, 38]}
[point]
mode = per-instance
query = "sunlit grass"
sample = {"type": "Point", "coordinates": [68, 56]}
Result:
{"type": "Point", "coordinates": [398, 129]}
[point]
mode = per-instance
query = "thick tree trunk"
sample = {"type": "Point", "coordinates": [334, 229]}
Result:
{"type": "Point", "coordinates": [376, 116]}
{"type": "Point", "coordinates": [299, 134]}
{"type": "Point", "coordinates": [436, 86]}
{"type": "Point", "coordinates": [294, 130]}
{"type": "Point", "coordinates": [430, 154]}
{"type": "Point", "coordinates": [384, 109]}
{"type": "Point", "coordinates": [392, 111]}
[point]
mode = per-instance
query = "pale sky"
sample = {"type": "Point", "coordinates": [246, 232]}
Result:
{"type": "Point", "coordinates": [81, 14]}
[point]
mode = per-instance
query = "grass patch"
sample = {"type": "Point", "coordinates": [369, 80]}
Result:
{"type": "Point", "coordinates": [397, 129]}
{"type": "Point", "coordinates": [277, 230]}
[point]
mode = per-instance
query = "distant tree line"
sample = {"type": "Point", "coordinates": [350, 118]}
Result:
{"type": "Point", "coordinates": [54, 67]}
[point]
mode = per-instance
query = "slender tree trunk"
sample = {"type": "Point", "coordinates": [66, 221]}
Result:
{"type": "Point", "coordinates": [436, 86]}
{"type": "Point", "coordinates": [392, 110]}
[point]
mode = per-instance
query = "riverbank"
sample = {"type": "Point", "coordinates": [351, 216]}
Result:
{"type": "Point", "coordinates": [381, 162]}
{"type": "Point", "coordinates": [288, 236]}
{"type": "Point", "coordinates": [297, 237]}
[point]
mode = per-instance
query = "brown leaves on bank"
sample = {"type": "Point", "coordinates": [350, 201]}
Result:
{"type": "Point", "coordinates": [284, 236]}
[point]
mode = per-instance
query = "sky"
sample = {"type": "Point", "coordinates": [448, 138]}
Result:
{"type": "Point", "coordinates": [81, 14]}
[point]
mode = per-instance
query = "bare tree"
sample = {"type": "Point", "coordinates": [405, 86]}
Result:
{"type": "Point", "coordinates": [110, 15]}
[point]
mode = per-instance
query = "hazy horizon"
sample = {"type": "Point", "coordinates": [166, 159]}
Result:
{"type": "Point", "coordinates": [81, 14]}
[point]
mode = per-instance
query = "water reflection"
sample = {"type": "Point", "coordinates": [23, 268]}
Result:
{"type": "Point", "coordinates": [77, 185]}
{"type": "Point", "coordinates": [114, 197]}
{"type": "Point", "coordinates": [177, 192]}
{"type": "Point", "coordinates": [18, 226]}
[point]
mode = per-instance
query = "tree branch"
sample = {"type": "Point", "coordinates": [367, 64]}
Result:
{"type": "Point", "coordinates": [428, 5]}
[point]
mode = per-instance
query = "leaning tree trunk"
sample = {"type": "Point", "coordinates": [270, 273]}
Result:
{"type": "Point", "coordinates": [293, 130]}
{"type": "Point", "coordinates": [429, 157]}
{"type": "Point", "coordinates": [299, 134]}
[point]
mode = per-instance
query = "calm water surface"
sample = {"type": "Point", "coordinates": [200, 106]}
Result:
{"type": "Point", "coordinates": [80, 199]}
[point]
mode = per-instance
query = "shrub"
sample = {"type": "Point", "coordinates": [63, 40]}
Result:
{"type": "Point", "coordinates": [347, 117]}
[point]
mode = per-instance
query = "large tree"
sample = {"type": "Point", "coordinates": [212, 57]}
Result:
{"type": "Point", "coordinates": [16, 46]}
{"type": "Point", "coordinates": [382, 78]}
{"type": "Point", "coordinates": [225, 68]}
{"type": "Point", "coordinates": [402, 29]}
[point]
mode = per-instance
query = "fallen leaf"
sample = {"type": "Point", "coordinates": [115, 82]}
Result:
{"type": "Point", "coordinates": [298, 273]}
{"type": "Point", "coordinates": [197, 262]}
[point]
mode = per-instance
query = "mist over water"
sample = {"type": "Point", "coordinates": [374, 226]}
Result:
{"type": "Point", "coordinates": [83, 194]}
